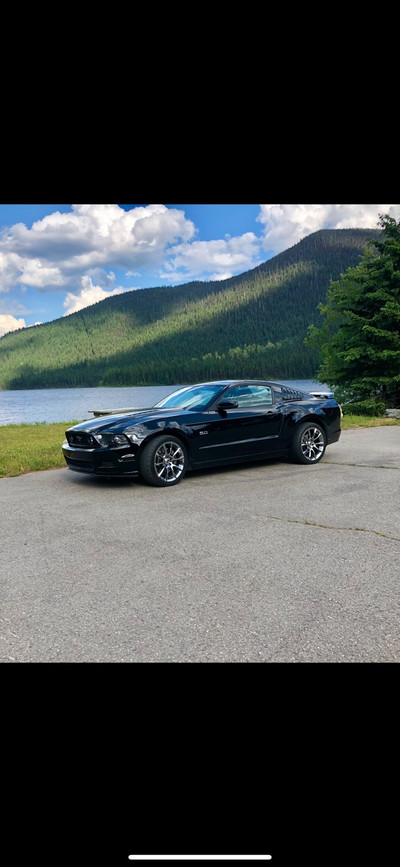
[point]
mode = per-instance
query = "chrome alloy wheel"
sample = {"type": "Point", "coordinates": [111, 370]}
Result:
{"type": "Point", "coordinates": [312, 443]}
{"type": "Point", "coordinates": [169, 462]}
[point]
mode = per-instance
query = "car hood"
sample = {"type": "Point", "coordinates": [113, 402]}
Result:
{"type": "Point", "coordinates": [114, 423]}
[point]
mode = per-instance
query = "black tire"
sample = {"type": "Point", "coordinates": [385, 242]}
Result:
{"type": "Point", "coordinates": [164, 461]}
{"type": "Point", "coordinates": [308, 443]}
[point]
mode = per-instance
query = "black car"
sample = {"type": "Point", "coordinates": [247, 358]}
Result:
{"type": "Point", "coordinates": [204, 425]}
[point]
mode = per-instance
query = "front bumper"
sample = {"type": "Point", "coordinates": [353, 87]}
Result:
{"type": "Point", "coordinates": [101, 462]}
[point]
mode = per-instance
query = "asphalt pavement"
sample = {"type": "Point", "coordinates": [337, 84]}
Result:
{"type": "Point", "coordinates": [266, 562]}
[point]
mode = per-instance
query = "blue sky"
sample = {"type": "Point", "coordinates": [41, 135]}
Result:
{"type": "Point", "coordinates": [56, 259]}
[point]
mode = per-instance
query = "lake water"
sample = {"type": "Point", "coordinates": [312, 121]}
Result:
{"type": "Point", "coordinates": [68, 404]}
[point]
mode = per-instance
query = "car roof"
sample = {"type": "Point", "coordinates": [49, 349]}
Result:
{"type": "Point", "coordinates": [238, 382]}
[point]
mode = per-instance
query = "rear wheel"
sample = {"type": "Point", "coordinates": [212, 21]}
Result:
{"type": "Point", "coordinates": [308, 444]}
{"type": "Point", "coordinates": [163, 462]}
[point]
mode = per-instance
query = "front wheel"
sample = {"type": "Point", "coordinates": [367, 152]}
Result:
{"type": "Point", "coordinates": [308, 444]}
{"type": "Point", "coordinates": [163, 462]}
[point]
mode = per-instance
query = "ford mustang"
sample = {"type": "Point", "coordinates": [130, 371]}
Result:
{"type": "Point", "coordinates": [204, 425]}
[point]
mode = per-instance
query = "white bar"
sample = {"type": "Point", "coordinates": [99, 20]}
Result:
{"type": "Point", "coordinates": [199, 857]}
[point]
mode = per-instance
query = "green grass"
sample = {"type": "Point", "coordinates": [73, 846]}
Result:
{"type": "Point", "coordinates": [351, 421]}
{"type": "Point", "coordinates": [25, 448]}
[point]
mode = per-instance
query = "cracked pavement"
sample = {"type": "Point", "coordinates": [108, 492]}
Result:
{"type": "Point", "coordinates": [265, 562]}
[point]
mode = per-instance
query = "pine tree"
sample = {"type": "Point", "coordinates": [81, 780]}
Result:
{"type": "Point", "coordinates": [359, 339]}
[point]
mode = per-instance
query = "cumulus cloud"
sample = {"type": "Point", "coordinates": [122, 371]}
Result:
{"type": "Point", "coordinates": [220, 275]}
{"type": "Point", "coordinates": [285, 225]}
{"type": "Point", "coordinates": [10, 323]}
{"type": "Point", "coordinates": [218, 259]}
{"type": "Point", "coordinates": [89, 294]}
{"type": "Point", "coordinates": [57, 251]}
{"type": "Point", "coordinates": [77, 252]}
{"type": "Point", "coordinates": [8, 269]}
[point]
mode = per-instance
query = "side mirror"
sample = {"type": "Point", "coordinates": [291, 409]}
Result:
{"type": "Point", "coordinates": [226, 404]}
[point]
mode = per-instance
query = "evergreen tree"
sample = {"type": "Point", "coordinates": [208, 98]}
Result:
{"type": "Point", "coordinates": [360, 336]}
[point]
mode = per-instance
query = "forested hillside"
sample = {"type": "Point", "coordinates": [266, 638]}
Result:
{"type": "Point", "coordinates": [252, 325]}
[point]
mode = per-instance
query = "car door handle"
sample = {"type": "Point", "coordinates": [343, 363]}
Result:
{"type": "Point", "coordinates": [270, 413]}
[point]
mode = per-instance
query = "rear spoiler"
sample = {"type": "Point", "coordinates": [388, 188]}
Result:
{"type": "Point", "coordinates": [322, 395]}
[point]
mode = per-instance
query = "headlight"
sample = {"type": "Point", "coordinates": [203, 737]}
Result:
{"type": "Point", "coordinates": [111, 439]}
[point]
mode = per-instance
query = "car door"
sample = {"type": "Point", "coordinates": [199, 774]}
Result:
{"type": "Point", "coordinates": [250, 428]}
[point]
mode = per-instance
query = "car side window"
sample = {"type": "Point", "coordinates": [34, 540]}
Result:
{"type": "Point", "coordinates": [250, 395]}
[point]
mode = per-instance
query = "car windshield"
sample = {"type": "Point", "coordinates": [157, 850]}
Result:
{"type": "Point", "coordinates": [192, 397]}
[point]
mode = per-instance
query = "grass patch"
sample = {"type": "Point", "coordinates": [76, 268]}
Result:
{"type": "Point", "coordinates": [351, 421]}
{"type": "Point", "coordinates": [25, 448]}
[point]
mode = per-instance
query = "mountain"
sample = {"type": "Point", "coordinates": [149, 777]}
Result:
{"type": "Point", "coordinates": [251, 325]}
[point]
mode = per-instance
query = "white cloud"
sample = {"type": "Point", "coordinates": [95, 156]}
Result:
{"type": "Point", "coordinates": [10, 323]}
{"type": "Point", "coordinates": [35, 273]}
{"type": "Point", "coordinates": [9, 263]}
{"type": "Point", "coordinates": [220, 276]}
{"type": "Point", "coordinates": [221, 258]}
{"type": "Point", "coordinates": [88, 295]}
{"type": "Point", "coordinates": [75, 252]}
{"type": "Point", "coordinates": [62, 247]}
{"type": "Point", "coordinates": [285, 225]}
